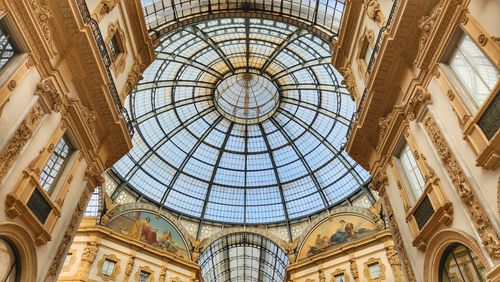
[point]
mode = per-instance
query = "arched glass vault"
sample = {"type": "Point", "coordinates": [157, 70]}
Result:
{"type": "Point", "coordinates": [322, 15]}
{"type": "Point", "coordinates": [243, 257]}
{"type": "Point", "coordinates": [193, 159]}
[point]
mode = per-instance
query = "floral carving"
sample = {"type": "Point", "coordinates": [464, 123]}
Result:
{"type": "Point", "coordinates": [133, 77]}
{"type": "Point", "coordinates": [49, 91]}
{"type": "Point", "coordinates": [426, 25]}
{"type": "Point", "coordinates": [398, 240]}
{"type": "Point", "coordinates": [481, 222]}
{"type": "Point", "coordinates": [43, 16]}
{"type": "Point", "coordinates": [89, 117]}
{"type": "Point", "coordinates": [354, 269]}
{"type": "Point", "coordinates": [20, 138]}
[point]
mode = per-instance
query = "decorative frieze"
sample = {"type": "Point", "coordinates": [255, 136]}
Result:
{"type": "Point", "coordinates": [17, 142]}
{"type": "Point", "coordinates": [47, 89]}
{"type": "Point", "coordinates": [43, 16]}
{"type": "Point", "coordinates": [488, 235]}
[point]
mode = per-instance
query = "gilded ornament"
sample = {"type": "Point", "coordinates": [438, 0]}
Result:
{"type": "Point", "coordinates": [426, 25]}
{"type": "Point", "coordinates": [374, 12]}
{"type": "Point", "coordinates": [12, 84]}
{"type": "Point", "coordinates": [43, 16]}
{"type": "Point", "coordinates": [482, 39]}
{"type": "Point", "coordinates": [481, 222]}
{"type": "Point", "coordinates": [349, 81]}
{"type": "Point", "coordinates": [48, 90]}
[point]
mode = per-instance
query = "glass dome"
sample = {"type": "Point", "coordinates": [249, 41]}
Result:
{"type": "Point", "coordinates": [242, 121]}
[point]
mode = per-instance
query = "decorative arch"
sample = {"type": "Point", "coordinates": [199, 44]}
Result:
{"type": "Point", "coordinates": [178, 234]}
{"type": "Point", "coordinates": [261, 232]}
{"type": "Point", "coordinates": [25, 247]}
{"type": "Point", "coordinates": [438, 244]}
{"type": "Point", "coordinates": [360, 219]}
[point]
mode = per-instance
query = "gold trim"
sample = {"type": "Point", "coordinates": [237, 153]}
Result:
{"type": "Point", "coordinates": [340, 272]}
{"type": "Point", "coordinates": [145, 269]}
{"type": "Point", "coordinates": [481, 222]}
{"type": "Point", "coordinates": [366, 271]}
{"type": "Point", "coordinates": [438, 244]}
{"type": "Point", "coordinates": [116, 268]}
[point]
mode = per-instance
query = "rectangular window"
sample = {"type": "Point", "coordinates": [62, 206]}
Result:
{"type": "Point", "coordinates": [473, 70]}
{"type": "Point", "coordinates": [374, 270]}
{"type": "Point", "coordinates": [368, 54]}
{"type": "Point", "coordinates": [67, 260]}
{"type": "Point", "coordinates": [339, 278]}
{"type": "Point", "coordinates": [144, 276]}
{"type": "Point", "coordinates": [114, 48]}
{"type": "Point", "coordinates": [411, 171]}
{"type": "Point", "coordinates": [107, 267]}
{"type": "Point", "coordinates": [55, 165]}
{"type": "Point", "coordinates": [7, 46]}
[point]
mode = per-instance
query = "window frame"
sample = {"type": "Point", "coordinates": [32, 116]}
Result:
{"type": "Point", "coordinates": [115, 271]}
{"type": "Point", "coordinates": [450, 251]}
{"type": "Point", "coordinates": [404, 173]}
{"type": "Point", "coordinates": [486, 150]}
{"type": "Point", "coordinates": [115, 33]}
{"type": "Point", "coordinates": [62, 169]}
{"type": "Point", "coordinates": [144, 269]}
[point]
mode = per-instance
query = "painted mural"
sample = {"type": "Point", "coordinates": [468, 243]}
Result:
{"type": "Point", "coordinates": [336, 231]}
{"type": "Point", "coordinates": [151, 229]}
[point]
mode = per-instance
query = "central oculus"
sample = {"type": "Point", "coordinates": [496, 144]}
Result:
{"type": "Point", "coordinates": [246, 98]}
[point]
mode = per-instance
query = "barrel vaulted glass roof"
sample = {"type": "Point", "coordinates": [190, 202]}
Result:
{"type": "Point", "coordinates": [323, 15]}
{"type": "Point", "coordinates": [269, 153]}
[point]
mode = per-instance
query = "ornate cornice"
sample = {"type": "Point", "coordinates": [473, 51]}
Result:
{"type": "Point", "coordinates": [432, 27]}
{"type": "Point", "coordinates": [481, 222]}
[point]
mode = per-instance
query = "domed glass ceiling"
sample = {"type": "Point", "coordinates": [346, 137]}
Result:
{"type": "Point", "coordinates": [241, 121]}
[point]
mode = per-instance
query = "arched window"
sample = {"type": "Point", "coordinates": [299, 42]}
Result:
{"type": "Point", "coordinates": [459, 264]}
{"type": "Point", "coordinates": [9, 266]}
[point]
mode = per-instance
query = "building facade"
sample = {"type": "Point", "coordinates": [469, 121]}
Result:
{"type": "Point", "coordinates": [279, 140]}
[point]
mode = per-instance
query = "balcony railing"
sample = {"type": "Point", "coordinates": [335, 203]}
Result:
{"type": "Point", "coordinates": [87, 19]}
{"type": "Point", "coordinates": [376, 49]}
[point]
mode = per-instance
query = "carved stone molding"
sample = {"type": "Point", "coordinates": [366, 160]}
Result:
{"type": "Point", "coordinates": [398, 239]}
{"type": "Point", "coordinates": [132, 79]}
{"type": "Point", "coordinates": [88, 257]}
{"type": "Point", "coordinates": [103, 8]}
{"type": "Point", "coordinates": [350, 81]}
{"type": "Point", "coordinates": [395, 263]}
{"type": "Point", "coordinates": [373, 11]}
{"type": "Point", "coordinates": [338, 272]}
{"type": "Point", "coordinates": [354, 269]}
{"type": "Point", "coordinates": [17, 142]}
{"type": "Point", "coordinates": [432, 27]}
{"type": "Point", "coordinates": [47, 89]}
{"type": "Point", "coordinates": [379, 180]}
{"type": "Point", "coordinates": [43, 16]}
{"type": "Point", "coordinates": [116, 268]}
{"type": "Point", "coordinates": [366, 270]}
{"type": "Point", "coordinates": [68, 236]}
{"type": "Point", "coordinates": [163, 274]}
{"type": "Point", "coordinates": [129, 267]}
{"type": "Point", "coordinates": [488, 235]}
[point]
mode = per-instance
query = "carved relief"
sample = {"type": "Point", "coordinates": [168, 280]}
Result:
{"type": "Point", "coordinates": [373, 11]}
{"type": "Point", "coordinates": [47, 89]}
{"type": "Point", "coordinates": [342, 273]}
{"type": "Point", "coordinates": [109, 207]}
{"type": "Point", "coordinates": [197, 247]}
{"type": "Point", "coordinates": [426, 25]}
{"type": "Point", "coordinates": [481, 222]}
{"type": "Point", "coordinates": [163, 274]}
{"type": "Point", "coordinates": [349, 81]}
{"type": "Point", "coordinates": [88, 257]}
{"type": "Point", "coordinates": [104, 7]}
{"type": "Point", "coordinates": [354, 269]}
{"type": "Point", "coordinates": [17, 142]}
{"type": "Point", "coordinates": [118, 63]}
{"type": "Point", "coordinates": [68, 236]}
{"type": "Point", "coordinates": [129, 267]}
{"type": "Point", "coordinates": [291, 249]}
{"type": "Point", "coordinates": [398, 240]}
{"type": "Point", "coordinates": [89, 117]}
{"type": "Point", "coordinates": [393, 258]}
{"type": "Point", "coordinates": [133, 78]}
{"type": "Point", "coordinates": [43, 15]}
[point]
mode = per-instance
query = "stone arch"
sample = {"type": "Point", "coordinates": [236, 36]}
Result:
{"type": "Point", "coordinates": [438, 244]}
{"type": "Point", "coordinates": [25, 247]}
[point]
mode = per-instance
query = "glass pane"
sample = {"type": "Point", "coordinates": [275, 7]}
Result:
{"type": "Point", "coordinates": [459, 263]}
{"type": "Point", "coordinates": [9, 263]}
{"type": "Point", "coordinates": [474, 70]}
{"type": "Point", "coordinates": [107, 267]}
{"type": "Point", "coordinates": [143, 276]}
{"type": "Point", "coordinates": [411, 171]}
{"type": "Point", "coordinates": [374, 270]}
{"type": "Point", "coordinates": [7, 49]}
{"type": "Point", "coordinates": [55, 164]}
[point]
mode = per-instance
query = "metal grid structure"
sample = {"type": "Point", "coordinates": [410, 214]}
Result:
{"type": "Point", "coordinates": [194, 161]}
{"type": "Point", "coordinates": [326, 15]}
{"type": "Point", "coordinates": [243, 257]}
